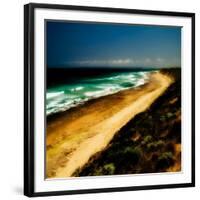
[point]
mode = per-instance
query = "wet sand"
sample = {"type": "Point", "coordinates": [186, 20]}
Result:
{"type": "Point", "coordinates": [76, 135]}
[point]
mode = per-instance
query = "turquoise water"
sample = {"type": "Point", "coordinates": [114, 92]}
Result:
{"type": "Point", "coordinates": [63, 97]}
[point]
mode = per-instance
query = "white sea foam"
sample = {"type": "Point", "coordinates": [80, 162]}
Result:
{"type": "Point", "coordinates": [64, 97]}
{"type": "Point", "coordinates": [77, 88]}
{"type": "Point", "coordinates": [54, 94]}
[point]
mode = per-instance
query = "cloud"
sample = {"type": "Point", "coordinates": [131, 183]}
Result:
{"type": "Point", "coordinates": [115, 62]}
{"type": "Point", "coordinates": [159, 60]}
{"type": "Point", "coordinates": [126, 62]}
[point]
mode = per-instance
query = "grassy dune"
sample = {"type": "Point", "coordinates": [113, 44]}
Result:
{"type": "Point", "coordinates": [149, 143]}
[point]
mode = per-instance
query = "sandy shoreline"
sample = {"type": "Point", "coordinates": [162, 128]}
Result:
{"type": "Point", "coordinates": [75, 136]}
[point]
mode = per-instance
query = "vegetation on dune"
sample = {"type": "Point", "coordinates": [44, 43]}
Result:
{"type": "Point", "coordinates": [147, 143]}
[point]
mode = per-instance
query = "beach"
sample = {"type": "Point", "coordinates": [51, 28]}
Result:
{"type": "Point", "coordinates": [149, 143]}
{"type": "Point", "coordinates": [78, 134]}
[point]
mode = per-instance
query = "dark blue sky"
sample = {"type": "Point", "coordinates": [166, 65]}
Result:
{"type": "Point", "coordinates": [112, 45]}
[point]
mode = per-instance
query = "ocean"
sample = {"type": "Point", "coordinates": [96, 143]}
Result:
{"type": "Point", "coordinates": [63, 96]}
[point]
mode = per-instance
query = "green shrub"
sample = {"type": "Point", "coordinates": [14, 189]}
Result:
{"type": "Point", "coordinates": [97, 172]}
{"type": "Point", "coordinates": [160, 143]}
{"type": "Point", "coordinates": [147, 139]}
{"type": "Point", "coordinates": [166, 155]}
{"type": "Point", "coordinates": [162, 118]}
{"type": "Point", "coordinates": [169, 115]}
{"type": "Point", "coordinates": [132, 155]}
{"type": "Point", "coordinates": [165, 160]}
{"type": "Point", "coordinates": [153, 146]}
{"type": "Point", "coordinates": [109, 169]}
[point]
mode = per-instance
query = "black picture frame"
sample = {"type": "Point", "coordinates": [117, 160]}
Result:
{"type": "Point", "coordinates": [29, 98]}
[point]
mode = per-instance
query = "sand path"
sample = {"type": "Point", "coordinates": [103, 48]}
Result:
{"type": "Point", "coordinates": [80, 133]}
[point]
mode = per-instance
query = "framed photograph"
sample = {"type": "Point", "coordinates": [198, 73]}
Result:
{"type": "Point", "coordinates": [108, 99]}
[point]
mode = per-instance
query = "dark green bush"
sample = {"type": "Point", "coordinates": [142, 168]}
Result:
{"type": "Point", "coordinates": [109, 169]}
{"type": "Point", "coordinates": [154, 146]}
{"type": "Point", "coordinates": [98, 172]}
{"type": "Point", "coordinates": [169, 114]}
{"type": "Point", "coordinates": [132, 155]}
{"type": "Point", "coordinates": [164, 161]}
{"type": "Point", "coordinates": [147, 139]}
